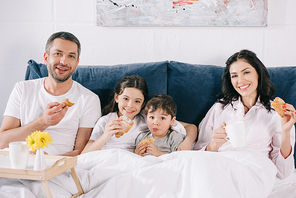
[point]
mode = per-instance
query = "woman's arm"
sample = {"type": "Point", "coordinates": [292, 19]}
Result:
{"type": "Point", "coordinates": [287, 123]}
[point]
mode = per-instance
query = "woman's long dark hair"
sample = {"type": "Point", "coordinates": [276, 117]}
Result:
{"type": "Point", "coordinates": [265, 89]}
{"type": "Point", "coordinates": [127, 82]}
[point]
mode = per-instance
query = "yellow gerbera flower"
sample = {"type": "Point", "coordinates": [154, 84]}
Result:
{"type": "Point", "coordinates": [38, 139]}
{"type": "Point", "coordinates": [45, 139]}
{"type": "Point", "coordinates": [32, 143]}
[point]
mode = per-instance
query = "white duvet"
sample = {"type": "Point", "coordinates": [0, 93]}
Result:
{"type": "Point", "coordinates": [118, 173]}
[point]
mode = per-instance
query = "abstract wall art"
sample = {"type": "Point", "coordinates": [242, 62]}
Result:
{"type": "Point", "coordinates": [181, 12]}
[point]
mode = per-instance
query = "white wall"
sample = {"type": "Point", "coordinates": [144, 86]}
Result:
{"type": "Point", "coordinates": [26, 25]}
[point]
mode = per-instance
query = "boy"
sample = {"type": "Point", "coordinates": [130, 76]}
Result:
{"type": "Point", "coordinates": [161, 114]}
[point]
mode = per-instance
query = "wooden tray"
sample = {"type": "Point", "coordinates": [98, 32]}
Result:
{"type": "Point", "coordinates": [55, 166]}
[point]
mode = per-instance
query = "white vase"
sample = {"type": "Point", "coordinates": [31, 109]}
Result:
{"type": "Point", "coordinates": [40, 163]}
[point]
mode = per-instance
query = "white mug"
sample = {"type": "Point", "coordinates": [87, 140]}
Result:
{"type": "Point", "coordinates": [236, 134]}
{"type": "Point", "coordinates": [18, 154]}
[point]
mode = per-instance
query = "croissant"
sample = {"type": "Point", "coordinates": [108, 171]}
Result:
{"type": "Point", "coordinates": [278, 104]}
{"type": "Point", "coordinates": [67, 102]}
{"type": "Point", "coordinates": [126, 124]}
{"type": "Point", "coordinates": [146, 141]}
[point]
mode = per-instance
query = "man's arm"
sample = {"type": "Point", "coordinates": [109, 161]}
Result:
{"type": "Point", "coordinates": [82, 138]}
{"type": "Point", "coordinates": [11, 129]}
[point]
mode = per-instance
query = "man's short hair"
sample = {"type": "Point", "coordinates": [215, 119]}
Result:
{"type": "Point", "coordinates": [65, 36]}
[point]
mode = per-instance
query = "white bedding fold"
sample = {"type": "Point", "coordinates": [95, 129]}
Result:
{"type": "Point", "coordinates": [195, 174]}
{"type": "Point", "coordinates": [118, 173]}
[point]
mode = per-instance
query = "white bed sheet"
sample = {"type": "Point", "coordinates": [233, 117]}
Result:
{"type": "Point", "coordinates": [119, 173]}
{"type": "Point", "coordinates": [285, 188]}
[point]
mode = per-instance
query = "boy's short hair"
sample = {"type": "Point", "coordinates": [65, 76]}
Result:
{"type": "Point", "coordinates": [161, 101]}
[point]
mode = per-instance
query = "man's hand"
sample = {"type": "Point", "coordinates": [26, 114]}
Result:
{"type": "Point", "coordinates": [11, 129]}
{"type": "Point", "coordinates": [53, 113]}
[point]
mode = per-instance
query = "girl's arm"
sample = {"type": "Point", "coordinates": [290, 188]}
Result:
{"type": "Point", "coordinates": [191, 136]}
{"type": "Point", "coordinates": [112, 127]}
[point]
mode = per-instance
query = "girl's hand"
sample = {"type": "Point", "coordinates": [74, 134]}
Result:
{"type": "Point", "coordinates": [112, 127]}
{"type": "Point", "coordinates": [218, 138]}
{"type": "Point", "coordinates": [185, 145]}
{"type": "Point", "coordinates": [289, 119]}
{"type": "Point", "coordinates": [152, 149]}
{"type": "Point", "coordinates": [141, 150]}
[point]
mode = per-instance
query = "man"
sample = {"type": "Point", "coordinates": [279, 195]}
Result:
{"type": "Point", "coordinates": [35, 104]}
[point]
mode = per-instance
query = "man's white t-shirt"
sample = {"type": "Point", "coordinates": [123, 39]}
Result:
{"type": "Point", "coordinates": [29, 99]}
{"type": "Point", "coordinates": [127, 141]}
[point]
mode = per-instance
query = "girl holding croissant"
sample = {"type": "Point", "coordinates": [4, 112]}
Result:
{"type": "Point", "coordinates": [131, 94]}
{"type": "Point", "coordinates": [246, 96]}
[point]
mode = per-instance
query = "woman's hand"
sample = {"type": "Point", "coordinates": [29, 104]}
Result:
{"type": "Point", "coordinates": [111, 128]}
{"type": "Point", "coordinates": [141, 150]}
{"type": "Point", "coordinates": [152, 149]}
{"type": "Point", "coordinates": [218, 138]}
{"type": "Point", "coordinates": [287, 123]}
{"type": "Point", "coordinates": [289, 119]}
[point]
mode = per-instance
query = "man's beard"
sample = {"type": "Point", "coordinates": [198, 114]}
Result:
{"type": "Point", "coordinates": [55, 76]}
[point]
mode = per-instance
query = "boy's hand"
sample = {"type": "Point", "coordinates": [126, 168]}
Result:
{"type": "Point", "coordinates": [141, 150]}
{"type": "Point", "coordinates": [152, 149]}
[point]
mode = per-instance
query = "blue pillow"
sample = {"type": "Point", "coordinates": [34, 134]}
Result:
{"type": "Point", "coordinates": [284, 80]}
{"type": "Point", "coordinates": [194, 89]}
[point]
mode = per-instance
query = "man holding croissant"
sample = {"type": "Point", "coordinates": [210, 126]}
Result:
{"type": "Point", "coordinates": [37, 104]}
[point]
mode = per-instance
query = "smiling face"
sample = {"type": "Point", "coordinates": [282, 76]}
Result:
{"type": "Point", "coordinates": [62, 59]}
{"type": "Point", "coordinates": [159, 123]}
{"type": "Point", "coordinates": [130, 102]}
{"type": "Point", "coordinates": [244, 79]}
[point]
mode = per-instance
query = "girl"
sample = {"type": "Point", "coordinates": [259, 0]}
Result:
{"type": "Point", "coordinates": [246, 96]}
{"type": "Point", "coordinates": [130, 96]}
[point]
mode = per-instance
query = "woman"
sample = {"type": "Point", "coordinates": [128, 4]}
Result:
{"type": "Point", "coordinates": [246, 96]}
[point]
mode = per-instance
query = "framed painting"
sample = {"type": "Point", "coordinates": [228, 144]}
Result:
{"type": "Point", "coordinates": [181, 12]}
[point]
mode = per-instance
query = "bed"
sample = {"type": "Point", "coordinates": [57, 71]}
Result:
{"type": "Point", "coordinates": [119, 173]}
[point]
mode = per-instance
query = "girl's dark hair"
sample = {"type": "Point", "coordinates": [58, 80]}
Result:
{"type": "Point", "coordinates": [163, 102]}
{"type": "Point", "coordinates": [265, 89]}
{"type": "Point", "coordinates": [127, 82]}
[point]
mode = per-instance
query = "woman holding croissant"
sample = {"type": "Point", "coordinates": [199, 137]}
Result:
{"type": "Point", "coordinates": [246, 96]}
